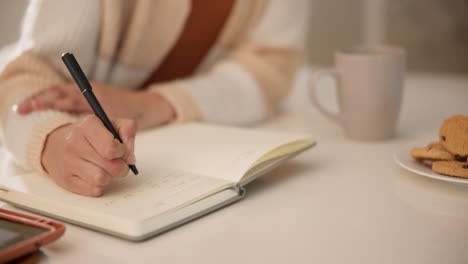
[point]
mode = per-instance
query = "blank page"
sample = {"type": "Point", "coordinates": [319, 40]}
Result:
{"type": "Point", "coordinates": [216, 151]}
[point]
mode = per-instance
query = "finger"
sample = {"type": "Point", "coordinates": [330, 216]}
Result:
{"type": "Point", "coordinates": [84, 152]}
{"type": "Point", "coordinates": [131, 158]}
{"type": "Point", "coordinates": [45, 99]}
{"type": "Point", "coordinates": [102, 139]}
{"type": "Point", "coordinates": [127, 129]}
{"type": "Point", "coordinates": [39, 101]}
{"type": "Point", "coordinates": [26, 106]}
{"type": "Point", "coordinates": [71, 105]}
{"type": "Point", "coordinates": [77, 185]}
{"type": "Point", "coordinates": [60, 90]}
{"type": "Point", "coordinates": [92, 174]}
{"type": "Point", "coordinates": [69, 99]}
{"type": "Point", "coordinates": [71, 89]}
{"type": "Point", "coordinates": [114, 168]}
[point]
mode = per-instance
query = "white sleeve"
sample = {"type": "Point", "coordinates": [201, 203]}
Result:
{"type": "Point", "coordinates": [50, 28]}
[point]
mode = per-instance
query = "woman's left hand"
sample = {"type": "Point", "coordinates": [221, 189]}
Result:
{"type": "Point", "coordinates": [148, 109]}
{"type": "Point", "coordinates": [68, 98]}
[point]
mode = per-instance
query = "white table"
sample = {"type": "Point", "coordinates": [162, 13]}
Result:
{"type": "Point", "coordinates": [341, 202]}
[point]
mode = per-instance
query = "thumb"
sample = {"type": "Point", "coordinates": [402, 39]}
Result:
{"type": "Point", "coordinates": [127, 130]}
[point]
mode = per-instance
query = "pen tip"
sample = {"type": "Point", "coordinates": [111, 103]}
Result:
{"type": "Point", "coordinates": [66, 54]}
{"type": "Point", "coordinates": [134, 169]}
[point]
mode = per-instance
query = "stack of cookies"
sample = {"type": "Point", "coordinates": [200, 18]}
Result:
{"type": "Point", "coordinates": [449, 155]}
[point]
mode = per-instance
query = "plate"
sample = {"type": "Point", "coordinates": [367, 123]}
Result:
{"type": "Point", "coordinates": [404, 160]}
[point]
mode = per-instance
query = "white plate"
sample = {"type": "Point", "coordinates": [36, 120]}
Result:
{"type": "Point", "coordinates": [404, 159]}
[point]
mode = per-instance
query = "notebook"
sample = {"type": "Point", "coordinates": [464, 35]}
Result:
{"type": "Point", "coordinates": [186, 171]}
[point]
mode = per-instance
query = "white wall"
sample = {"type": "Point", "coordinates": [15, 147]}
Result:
{"type": "Point", "coordinates": [434, 32]}
{"type": "Point", "coordinates": [11, 12]}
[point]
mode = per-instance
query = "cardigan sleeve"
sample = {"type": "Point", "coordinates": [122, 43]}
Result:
{"type": "Point", "coordinates": [248, 85]}
{"type": "Point", "coordinates": [50, 28]}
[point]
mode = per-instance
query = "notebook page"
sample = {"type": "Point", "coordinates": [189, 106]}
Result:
{"type": "Point", "coordinates": [154, 191]}
{"type": "Point", "coordinates": [216, 151]}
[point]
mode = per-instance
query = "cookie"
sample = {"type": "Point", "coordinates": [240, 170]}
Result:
{"type": "Point", "coordinates": [451, 168]}
{"type": "Point", "coordinates": [433, 151]}
{"type": "Point", "coordinates": [454, 135]}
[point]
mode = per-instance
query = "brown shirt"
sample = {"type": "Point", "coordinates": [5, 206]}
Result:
{"type": "Point", "coordinates": [203, 26]}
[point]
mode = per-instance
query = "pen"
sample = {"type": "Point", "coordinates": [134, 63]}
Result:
{"type": "Point", "coordinates": [86, 89]}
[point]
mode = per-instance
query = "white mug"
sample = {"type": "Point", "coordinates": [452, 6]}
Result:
{"type": "Point", "coordinates": [369, 83]}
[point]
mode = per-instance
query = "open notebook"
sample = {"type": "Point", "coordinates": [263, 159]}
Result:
{"type": "Point", "coordinates": [186, 171]}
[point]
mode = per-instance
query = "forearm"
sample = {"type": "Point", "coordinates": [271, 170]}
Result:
{"type": "Point", "coordinates": [49, 28]}
{"type": "Point", "coordinates": [23, 136]}
{"type": "Point", "coordinates": [229, 93]}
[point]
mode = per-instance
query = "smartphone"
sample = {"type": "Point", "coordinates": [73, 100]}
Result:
{"type": "Point", "coordinates": [21, 234]}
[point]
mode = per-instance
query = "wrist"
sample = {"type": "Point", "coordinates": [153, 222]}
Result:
{"type": "Point", "coordinates": [53, 139]}
{"type": "Point", "coordinates": [154, 110]}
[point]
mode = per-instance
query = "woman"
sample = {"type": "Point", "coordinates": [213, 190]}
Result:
{"type": "Point", "coordinates": [151, 63]}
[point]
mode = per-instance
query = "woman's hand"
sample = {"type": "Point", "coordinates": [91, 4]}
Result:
{"type": "Point", "coordinates": [148, 109]}
{"type": "Point", "coordinates": [84, 157]}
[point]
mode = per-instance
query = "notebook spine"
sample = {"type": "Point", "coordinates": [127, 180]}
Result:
{"type": "Point", "coordinates": [239, 189]}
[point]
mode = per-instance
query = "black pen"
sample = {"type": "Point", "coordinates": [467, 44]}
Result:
{"type": "Point", "coordinates": [86, 89]}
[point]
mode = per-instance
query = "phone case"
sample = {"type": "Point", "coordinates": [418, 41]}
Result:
{"type": "Point", "coordinates": [55, 230]}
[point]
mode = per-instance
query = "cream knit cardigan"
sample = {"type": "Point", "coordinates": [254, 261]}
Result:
{"type": "Point", "coordinates": [244, 75]}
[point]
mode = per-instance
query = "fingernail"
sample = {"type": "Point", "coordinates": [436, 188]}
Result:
{"type": "Point", "coordinates": [20, 109]}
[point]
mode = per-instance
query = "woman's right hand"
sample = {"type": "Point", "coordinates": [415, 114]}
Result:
{"type": "Point", "coordinates": [84, 157]}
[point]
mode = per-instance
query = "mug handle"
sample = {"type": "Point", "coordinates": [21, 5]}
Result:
{"type": "Point", "coordinates": [314, 79]}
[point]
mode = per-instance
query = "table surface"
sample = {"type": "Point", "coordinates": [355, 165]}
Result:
{"type": "Point", "coordinates": [341, 202]}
